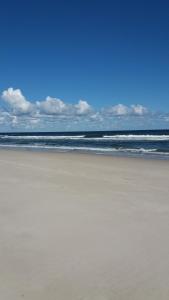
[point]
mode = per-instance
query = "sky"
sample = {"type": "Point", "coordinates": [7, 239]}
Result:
{"type": "Point", "coordinates": [84, 65]}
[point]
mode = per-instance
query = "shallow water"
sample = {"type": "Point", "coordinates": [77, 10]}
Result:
{"type": "Point", "coordinates": [151, 143]}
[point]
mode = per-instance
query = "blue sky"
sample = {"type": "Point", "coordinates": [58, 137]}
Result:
{"type": "Point", "coordinates": [91, 55]}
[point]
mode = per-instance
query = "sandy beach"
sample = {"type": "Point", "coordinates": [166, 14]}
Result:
{"type": "Point", "coordinates": [83, 227]}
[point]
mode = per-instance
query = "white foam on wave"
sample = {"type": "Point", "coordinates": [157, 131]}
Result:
{"type": "Point", "coordinates": [86, 149]}
{"type": "Point", "coordinates": [41, 137]}
{"type": "Point", "coordinates": [123, 137]}
{"type": "Point", "coordinates": [69, 148]}
{"type": "Point", "coordinates": [137, 137]}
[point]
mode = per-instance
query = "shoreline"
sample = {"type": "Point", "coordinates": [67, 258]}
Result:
{"type": "Point", "coordinates": [151, 144]}
{"type": "Point", "coordinates": [147, 156]}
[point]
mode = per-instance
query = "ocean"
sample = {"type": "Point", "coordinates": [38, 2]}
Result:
{"type": "Point", "coordinates": [146, 143]}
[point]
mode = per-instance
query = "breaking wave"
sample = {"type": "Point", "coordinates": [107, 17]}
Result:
{"type": "Point", "coordinates": [107, 142]}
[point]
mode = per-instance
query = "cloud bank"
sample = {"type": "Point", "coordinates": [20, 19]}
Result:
{"type": "Point", "coordinates": [19, 113]}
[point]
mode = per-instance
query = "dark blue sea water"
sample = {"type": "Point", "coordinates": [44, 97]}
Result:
{"type": "Point", "coordinates": [152, 143]}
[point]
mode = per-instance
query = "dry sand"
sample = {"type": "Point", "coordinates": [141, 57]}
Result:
{"type": "Point", "coordinates": [83, 227]}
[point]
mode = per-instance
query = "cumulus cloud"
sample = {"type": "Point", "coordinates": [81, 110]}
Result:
{"type": "Point", "coordinates": [118, 110]}
{"type": "Point", "coordinates": [51, 106]}
{"type": "Point", "coordinates": [139, 110]}
{"type": "Point", "coordinates": [82, 108]}
{"type": "Point", "coordinates": [123, 110]}
{"type": "Point", "coordinates": [16, 101]}
{"type": "Point", "coordinates": [55, 114]}
{"type": "Point", "coordinates": [96, 117]}
{"type": "Point", "coordinates": [21, 112]}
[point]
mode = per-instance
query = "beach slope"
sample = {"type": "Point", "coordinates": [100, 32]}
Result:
{"type": "Point", "coordinates": [83, 227]}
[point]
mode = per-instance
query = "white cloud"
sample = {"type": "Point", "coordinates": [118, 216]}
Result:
{"type": "Point", "coordinates": [55, 114]}
{"type": "Point", "coordinates": [118, 110]}
{"type": "Point", "coordinates": [34, 121]}
{"type": "Point", "coordinates": [139, 110]}
{"type": "Point", "coordinates": [14, 120]}
{"type": "Point", "coordinates": [51, 106]}
{"type": "Point", "coordinates": [21, 112]}
{"type": "Point", "coordinates": [123, 110]}
{"type": "Point", "coordinates": [96, 117]}
{"type": "Point", "coordinates": [82, 108]}
{"type": "Point", "coordinates": [16, 101]}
